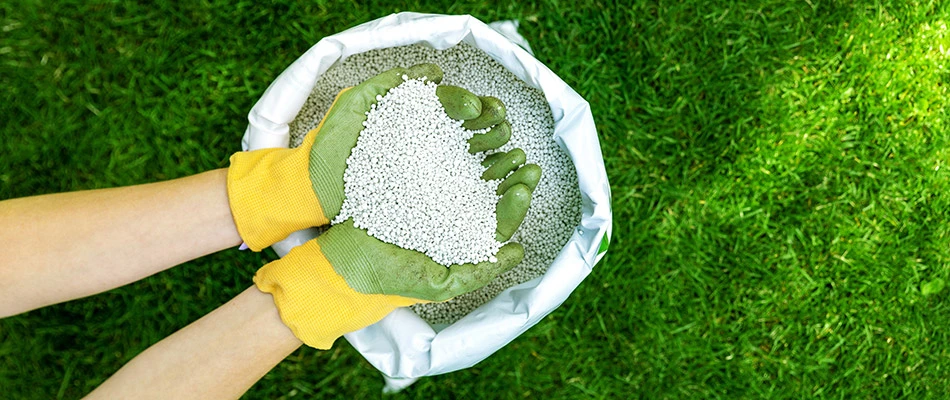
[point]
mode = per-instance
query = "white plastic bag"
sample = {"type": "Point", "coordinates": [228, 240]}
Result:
{"type": "Point", "coordinates": [403, 346]}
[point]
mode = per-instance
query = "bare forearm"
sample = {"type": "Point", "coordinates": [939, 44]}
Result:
{"type": "Point", "coordinates": [217, 357]}
{"type": "Point", "coordinates": [69, 245]}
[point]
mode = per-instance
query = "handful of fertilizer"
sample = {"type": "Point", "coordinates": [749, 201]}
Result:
{"type": "Point", "coordinates": [418, 177]}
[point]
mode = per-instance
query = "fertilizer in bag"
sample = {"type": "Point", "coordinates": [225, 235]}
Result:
{"type": "Point", "coordinates": [556, 202]}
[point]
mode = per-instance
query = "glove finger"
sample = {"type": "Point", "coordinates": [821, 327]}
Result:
{"type": "Point", "coordinates": [492, 158]}
{"type": "Point", "coordinates": [431, 72]}
{"type": "Point", "coordinates": [500, 169]}
{"type": "Point", "coordinates": [493, 139]}
{"type": "Point", "coordinates": [349, 110]}
{"type": "Point", "coordinates": [528, 174]}
{"type": "Point", "coordinates": [447, 283]}
{"type": "Point", "coordinates": [511, 210]}
{"type": "Point", "coordinates": [380, 84]}
{"type": "Point", "coordinates": [493, 112]}
{"type": "Point", "coordinates": [459, 103]}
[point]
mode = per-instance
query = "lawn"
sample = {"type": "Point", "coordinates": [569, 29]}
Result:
{"type": "Point", "coordinates": [779, 173]}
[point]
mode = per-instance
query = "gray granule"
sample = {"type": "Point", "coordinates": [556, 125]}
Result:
{"type": "Point", "coordinates": [556, 202]}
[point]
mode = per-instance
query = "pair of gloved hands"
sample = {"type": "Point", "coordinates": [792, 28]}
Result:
{"type": "Point", "coordinates": [345, 279]}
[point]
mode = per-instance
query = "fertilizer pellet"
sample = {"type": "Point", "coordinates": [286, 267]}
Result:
{"type": "Point", "coordinates": [411, 181]}
{"type": "Point", "coordinates": [556, 202]}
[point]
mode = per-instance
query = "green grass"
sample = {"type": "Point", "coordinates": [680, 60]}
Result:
{"type": "Point", "coordinates": [779, 172]}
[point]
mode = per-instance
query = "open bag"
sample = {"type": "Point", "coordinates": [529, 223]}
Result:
{"type": "Point", "coordinates": [403, 346]}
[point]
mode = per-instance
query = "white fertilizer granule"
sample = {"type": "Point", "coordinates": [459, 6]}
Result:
{"type": "Point", "coordinates": [556, 202]}
{"type": "Point", "coordinates": [411, 181]}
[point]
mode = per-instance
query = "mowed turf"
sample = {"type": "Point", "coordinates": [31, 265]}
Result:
{"type": "Point", "coordinates": [779, 173]}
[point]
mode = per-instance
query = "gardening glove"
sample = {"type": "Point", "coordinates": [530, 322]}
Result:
{"type": "Point", "coordinates": [275, 192]}
{"type": "Point", "coordinates": [345, 280]}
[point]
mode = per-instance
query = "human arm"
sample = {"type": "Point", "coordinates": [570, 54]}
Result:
{"type": "Point", "coordinates": [218, 356]}
{"type": "Point", "coordinates": [65, 246]}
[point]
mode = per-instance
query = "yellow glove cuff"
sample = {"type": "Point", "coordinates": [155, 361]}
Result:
{"type": "Point", "coordinates": [271, 196]}
{"type": "Point", "coordinates": [315, 302]}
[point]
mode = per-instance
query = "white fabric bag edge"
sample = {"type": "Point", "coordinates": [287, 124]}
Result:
{"type": "Point", "coordinates": [403, 346]}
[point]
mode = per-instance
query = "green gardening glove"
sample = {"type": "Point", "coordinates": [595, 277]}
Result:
{"type": "Point", "coordinates": [346, 280]}
{"type": "Point", "coordinates": [274, 192]}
